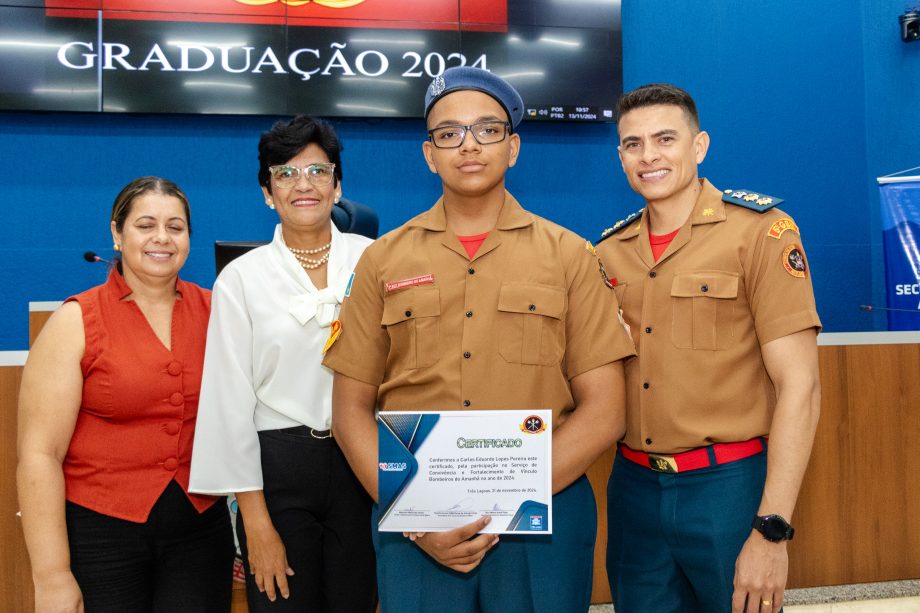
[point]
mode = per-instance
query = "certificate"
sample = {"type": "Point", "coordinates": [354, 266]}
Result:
{"type": "Point", "coordinates": [440, 471]}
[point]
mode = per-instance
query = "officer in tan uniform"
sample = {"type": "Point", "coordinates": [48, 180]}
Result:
{"type": "Point", "coordinates": [716, 290]}
{"type": "Point", "coordinates": [478, 304]}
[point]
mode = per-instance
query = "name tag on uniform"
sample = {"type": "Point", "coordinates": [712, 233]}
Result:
{"type": "Point", "coordinates": [393, 286]}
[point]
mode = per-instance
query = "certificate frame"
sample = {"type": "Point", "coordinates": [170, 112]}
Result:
{"type": "Point", "coordinates": [439, 470]}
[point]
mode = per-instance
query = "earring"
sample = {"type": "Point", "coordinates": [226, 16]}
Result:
{"type": "Point", "coordinates": [337, 198]}
{"type": "Point", "coordinates": [270, 204]}
{"type": "Point", "coordinates": [116, 246]}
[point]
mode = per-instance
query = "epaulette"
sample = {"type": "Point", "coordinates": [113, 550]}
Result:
{"type": "Point", "coordinates": [620, 225]}
{"type": "Point", "coordinates": [750, 200]}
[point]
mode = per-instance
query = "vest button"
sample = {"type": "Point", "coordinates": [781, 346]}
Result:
{"type": "Point", "coordinates": [172, 428]}
{"type": "Point", "coordinates": [174, 368]}
{"type": "Point", "coordinates": [171, 464]}
{"type": "Point", "coordinates": [177, 399]}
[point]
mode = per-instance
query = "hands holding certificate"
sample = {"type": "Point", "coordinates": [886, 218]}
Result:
{"type": "Point", "coordinates": [457, 549]}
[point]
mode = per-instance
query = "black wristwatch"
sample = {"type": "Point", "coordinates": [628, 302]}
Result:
{"type": "Point", "coordinates": [773, 528]}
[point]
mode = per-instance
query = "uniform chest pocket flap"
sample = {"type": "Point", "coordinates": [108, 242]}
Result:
{"type": "Point", "coordinates": [412, 319]}
{"type": "Point", "coordinates": [530, 320]}
{"type": "Point", "coordinates": [703, 304]}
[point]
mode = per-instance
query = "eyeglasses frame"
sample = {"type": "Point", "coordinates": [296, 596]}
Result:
{"type": "Point", "coordinates": [330, 166]}
{"type": "Point", "coordinates": [468, 129]}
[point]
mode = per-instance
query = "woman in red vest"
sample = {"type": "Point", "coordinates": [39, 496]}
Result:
{"type": "Point", "coordinates": [107, 413]}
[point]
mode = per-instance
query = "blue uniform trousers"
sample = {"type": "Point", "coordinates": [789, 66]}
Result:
{"type": "Point", "coordinates": [673, 538]}
{"type": "Point", "coordinates": [523, 574]}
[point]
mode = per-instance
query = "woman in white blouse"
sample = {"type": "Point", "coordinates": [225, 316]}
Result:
{"type": "Point", "coordinates": [264, 429]}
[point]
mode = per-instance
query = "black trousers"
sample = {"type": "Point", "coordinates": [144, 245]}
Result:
{"type": "Point", "coordinates": [322, 514]}
{"type": "Point", "coordinates": [178, 560]}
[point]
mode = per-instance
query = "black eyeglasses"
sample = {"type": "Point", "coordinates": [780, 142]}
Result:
{"type": "Point", "coordinates": [485, 133]}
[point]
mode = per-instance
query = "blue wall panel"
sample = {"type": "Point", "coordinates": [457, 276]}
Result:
{"type": "Point", "coordinates": [802, 102]}
{"type": "Point", "coordinates": [60, 173]}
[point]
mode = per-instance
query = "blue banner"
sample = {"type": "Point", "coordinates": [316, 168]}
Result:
{"type": "Point", "coordinates": [901, 242]}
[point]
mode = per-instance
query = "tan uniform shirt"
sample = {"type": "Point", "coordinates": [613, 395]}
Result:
{"type": "Point", "coordinates": [505, 330]}
{"type": "Point", "coordinates": [731, 280]}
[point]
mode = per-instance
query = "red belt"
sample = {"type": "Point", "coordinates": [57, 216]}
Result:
{"type": "Point", "coordinates": [702, 457]}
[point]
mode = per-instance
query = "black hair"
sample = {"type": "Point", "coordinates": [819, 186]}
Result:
{"type": "Point", "coordinates": [659, 93]}
{"type": "Point", "coordinates": [288, 138]}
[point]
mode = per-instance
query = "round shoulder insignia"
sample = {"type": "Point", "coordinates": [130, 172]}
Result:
{"type": "Point", "coordinates": [437, 86]}
{"type": "Point", "coordinates": [794, 261]}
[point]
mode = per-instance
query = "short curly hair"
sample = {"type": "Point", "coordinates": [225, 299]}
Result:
{"type": "Point", "coordinates": [288, 138]}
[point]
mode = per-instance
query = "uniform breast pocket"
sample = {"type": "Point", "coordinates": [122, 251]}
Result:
{"type": "Point", "coordinates": [703, 304]}
{"type": "Point", "coordinates": [531, 330]}
{"type": "Point", "coordinates": [412, 319]}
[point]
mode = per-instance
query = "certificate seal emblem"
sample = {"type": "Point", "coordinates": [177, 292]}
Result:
{"type": "Point", "coordinates": [533, 424]}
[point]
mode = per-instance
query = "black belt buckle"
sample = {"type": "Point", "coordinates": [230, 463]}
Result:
{"type": "Point", "coordinates": [662, 463]}
{"type": "Point", "coordinates": [320, 434]}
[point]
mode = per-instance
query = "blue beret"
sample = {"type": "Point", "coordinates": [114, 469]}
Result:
{"type": "Point", "coordinates": [460, 78]}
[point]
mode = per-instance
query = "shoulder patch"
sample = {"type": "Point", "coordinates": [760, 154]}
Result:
{"type": "Point", "coordinates": [620, 225]}
{"type": "Point", "coordinates": [750, 200]}
{"type": "Point", "coordinates": [781, 225]}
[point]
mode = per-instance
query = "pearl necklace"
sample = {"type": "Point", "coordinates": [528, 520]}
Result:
{"type": "Point", "coordinates": [310, 263]}
{"type": "Point", "coordinates": [307, 262]}
{"type": "Point", "coordinates": [311, 251]}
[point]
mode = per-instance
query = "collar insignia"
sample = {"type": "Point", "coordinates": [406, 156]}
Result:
{"type": "Point", "coordinates": [620, 225]}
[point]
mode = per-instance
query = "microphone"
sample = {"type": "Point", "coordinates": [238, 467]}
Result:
{"type": "Point", "coordinates": [869, 307]}
{"type": "Point", "coordinates": [92, 258]}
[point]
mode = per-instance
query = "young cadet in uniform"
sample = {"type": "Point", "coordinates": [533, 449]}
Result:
{"type": "Point", "coordinates": [716, 291]}
{"type": "Point", "coordinates": [477, 304]}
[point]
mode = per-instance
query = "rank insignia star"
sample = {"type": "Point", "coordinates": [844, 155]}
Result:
{"type": "Point", "coordinates": [623, 223]}
{"type": "Point", "coordinates": [708, 212]}
{"type": "Point", "coordinates": [751, 200]}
